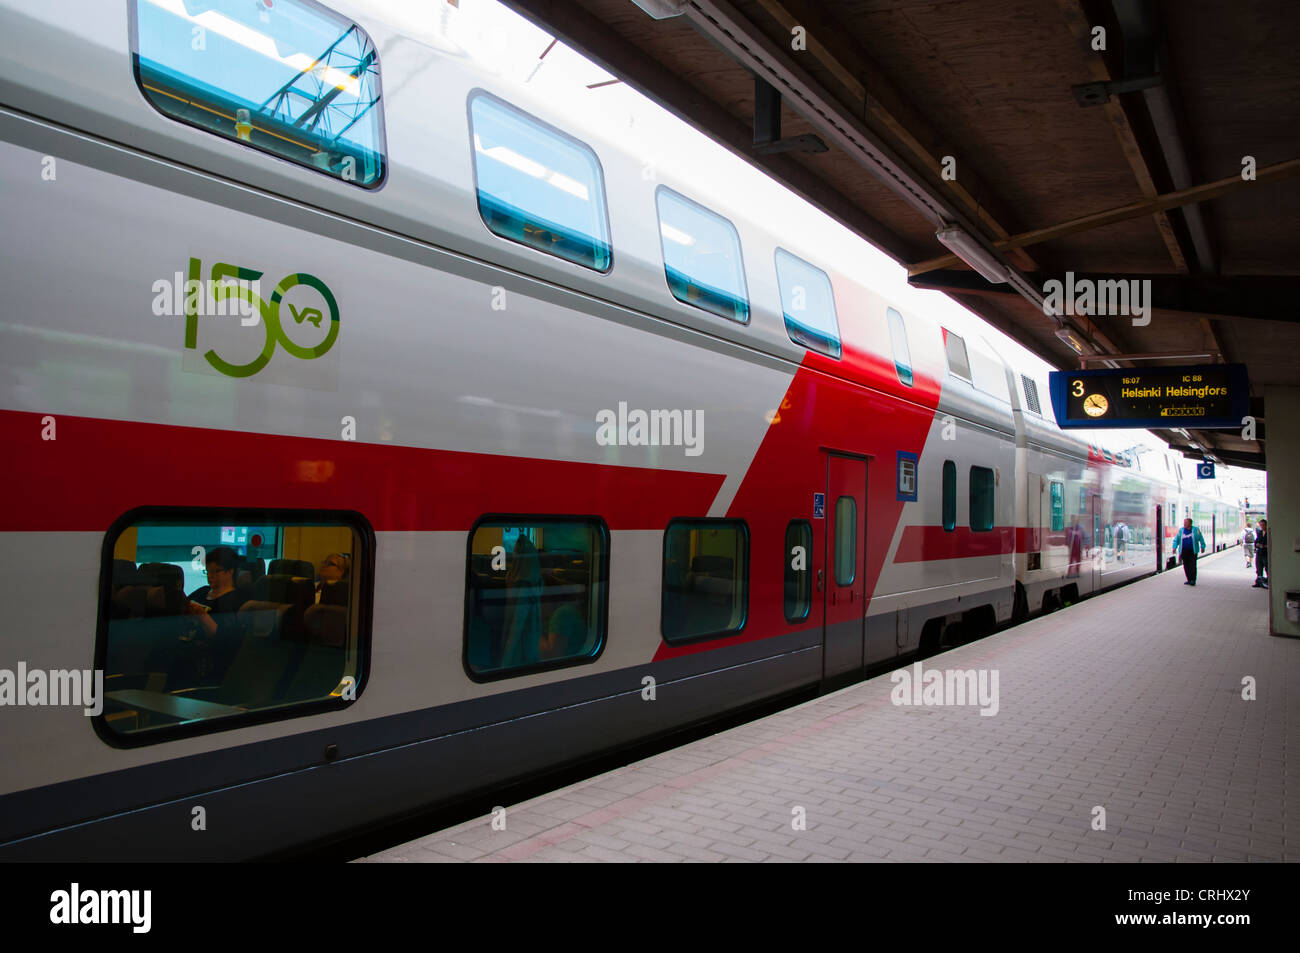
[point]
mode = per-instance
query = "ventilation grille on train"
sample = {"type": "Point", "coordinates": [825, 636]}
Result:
{"type": "Point", "coordinates": [1031, 394]}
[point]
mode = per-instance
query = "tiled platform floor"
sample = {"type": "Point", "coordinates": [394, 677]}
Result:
{"type": "Point", "coordinates": [1131, 702]}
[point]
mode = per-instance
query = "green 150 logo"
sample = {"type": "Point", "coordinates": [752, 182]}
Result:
{"type": "Point", "coordinates": [221, 289]}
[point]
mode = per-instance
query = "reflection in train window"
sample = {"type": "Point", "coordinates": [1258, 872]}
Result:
{"type": "Point", "coordinates": [245, 612]}
{"type": "Point", "coordinates": [539, 186]}
{"type": "Point", "coordinates": [808, 304]}
{"type": "Point", "coordinates": [701, 257]}
{"type": "Point", "coordinates": [1058, 505]}
{"type": "Point", "coordinates": [289, 78]}
{"type": "Point", "coordinates": [536, 595]}
{"type": "Point", "coordinates": [798, 570]}
{"type": "Point", "coordinates": [949, 495]}
{"type": "Point", "coordinates": [981, 499]}
{"type": "Point", "coordinates": [902, 354]}
{"type": "Point", "coordinates": [706, 573]}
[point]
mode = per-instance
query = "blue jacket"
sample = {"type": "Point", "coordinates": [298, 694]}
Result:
{"type": "Point", "coordinates": [1188, 538]}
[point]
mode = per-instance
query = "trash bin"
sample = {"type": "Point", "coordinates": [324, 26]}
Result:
{"type": "Point", "coordinates": [1293, 606]}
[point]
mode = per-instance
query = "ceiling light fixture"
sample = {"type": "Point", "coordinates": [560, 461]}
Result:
{"type": "Point", "coordinates": [962, 244]}
{"type": "Point", "coordinates": [1076, 341]}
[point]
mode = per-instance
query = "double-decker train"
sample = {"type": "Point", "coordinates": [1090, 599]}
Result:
{"type": "Point", "coordinates": [379, 434]}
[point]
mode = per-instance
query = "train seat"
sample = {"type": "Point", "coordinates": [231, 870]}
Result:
{"type": "Point", "coordinates": [292, 567]}
{"type": "Point", "coordinates": [263, 620]}
{"type": "Point", "coordinates": [292, 594]}
{"type": "Point", "coordinates": [326, 625]}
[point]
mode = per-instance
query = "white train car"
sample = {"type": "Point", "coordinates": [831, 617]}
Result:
{"type": "Point", "coordinates": [377, 432]}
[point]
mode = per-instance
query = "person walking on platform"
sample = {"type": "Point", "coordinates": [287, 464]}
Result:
{"type": "Point", "coordinates": [1261, 555]}
{"type": "Point", "coordinates": [1248, 543]}
{"type": "Point", "coordinates": [1186, 543]}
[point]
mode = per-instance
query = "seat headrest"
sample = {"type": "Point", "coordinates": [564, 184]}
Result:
{"type": "Point", "coordinates": [124, 572]}
{"type": "Point", "coordinates": [165, 600]}
{"type": "Point", "coordinates": [292, 567]}
{"type": "Point", "coordinates": [161, 574]}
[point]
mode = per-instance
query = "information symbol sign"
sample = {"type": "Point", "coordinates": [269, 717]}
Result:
{"type": "Point", "coordinates": [819, 506]}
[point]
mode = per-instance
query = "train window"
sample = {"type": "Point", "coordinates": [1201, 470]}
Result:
{"type": "Point", "coordinates": [907, 467]}
{"type": "Point", "coordinates": [289, 78]}
{"type": "Point", "coordinates": [538, 186]}
{"type": "Point", "coordinates": [846, 540]}
{"type": "Point", "coordinates": [902, 354]}
{"type": "Point", "coordinates": [958, 362]}
{"type": "Point", "coordinates": [706, 573]}
{"type": "Point", "coordinates": [808, 304]}
{"type": "Point", "coordinates": [798, 570]}
{"type": "Point", "coordinates": [212, 619]}
{"type": "Point", "coordinates": [1058, 505]}
{"type": "Point", "coordinates": [702, 258]}
{"type": "Point", "coordinates": [981, 499]}
{"type": "Point", "coordinates": [536, 594]}
{"type": "Point", "coordinates": [949, 496]}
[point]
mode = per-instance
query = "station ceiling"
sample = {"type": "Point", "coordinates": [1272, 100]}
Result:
{"type": "Point", "coordinates": [1110, 139]}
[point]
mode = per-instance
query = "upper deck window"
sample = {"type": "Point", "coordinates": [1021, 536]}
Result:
{"type": "Point", "coordinates": [902, 355]}
{"type": "Point", "coordinates": [702, 257]}
{"type": "Point", "coordinates": [289, 78]}
{"type": "Point", "coordinates": [958, 362]}
{"type": "Point", "coordinates": [808, 304]}
{"type": "Point", "coordinates": [539, 186]}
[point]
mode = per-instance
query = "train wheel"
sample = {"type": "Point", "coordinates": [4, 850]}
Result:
{"type": "Point", "coordinates": [1020, 608]}
{"type": "Point", "coordinates": [930, 638]}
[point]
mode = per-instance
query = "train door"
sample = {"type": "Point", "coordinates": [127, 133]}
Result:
{"type": "Point", "coordinates": [844, 618]}
{"type": "Point", "coordinates": [1160, 537]}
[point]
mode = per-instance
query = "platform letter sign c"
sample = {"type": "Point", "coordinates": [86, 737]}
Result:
{"type": "Point", "coordinates": [268, 310]}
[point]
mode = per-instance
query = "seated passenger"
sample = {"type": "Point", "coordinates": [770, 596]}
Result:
{"type": "Point", "coordinates": [215, 607]}
{"type": "Point", "coordinates": [331, 590]}
{"type": "Point", "coordinates": [565, 635]}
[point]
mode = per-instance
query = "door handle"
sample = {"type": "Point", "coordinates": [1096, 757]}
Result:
{"type": "Point", "coordinates": [819, 580]}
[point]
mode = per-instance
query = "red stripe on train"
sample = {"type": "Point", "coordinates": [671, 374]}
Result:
{"type": "Point", "coordinates": [926, 543]}
{"type": "Point", "coordinates": [95, 470]}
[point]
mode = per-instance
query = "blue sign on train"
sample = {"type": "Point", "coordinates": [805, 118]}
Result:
{"type": "Point", "coordinates": [819, 506]}
{"type": "Point", "coordinates": [1204, 396]}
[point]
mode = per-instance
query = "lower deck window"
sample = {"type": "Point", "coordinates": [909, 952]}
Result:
{"type": "Point", "coordinates": [210, 617]}
{"type": "Point", "coordinates": [949, 496]}
{"type": "Point", "coordinates": [706, 568]}
{"type": "Point", "coordinates": [536, 594]}
{"type": "Point", "coordinates": [798, 574]}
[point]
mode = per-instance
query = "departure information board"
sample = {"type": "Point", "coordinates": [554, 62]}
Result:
{"type": "Point", "coordinates": [1204, 397]}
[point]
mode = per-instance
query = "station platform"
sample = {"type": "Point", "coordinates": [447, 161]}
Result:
{"type": "Point", "coordinates": [1131, 702]}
